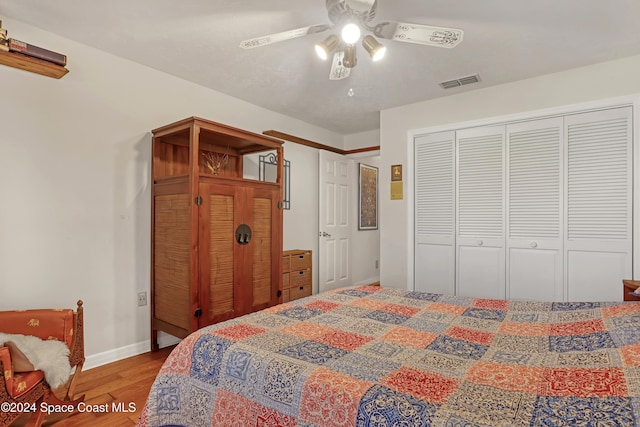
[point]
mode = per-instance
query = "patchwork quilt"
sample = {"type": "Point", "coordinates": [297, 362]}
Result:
{"type": "Point", "coordinates": [371, 356]}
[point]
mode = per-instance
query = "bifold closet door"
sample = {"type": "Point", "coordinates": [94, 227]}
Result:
{"type": "Point", "coordinates": [534, 210]}
{"type": "Point", "coordinates": [480, 212]}
{"type": "Point", "coordinates": [599, 201]}
{"type": "Point", "coordinates": [434, 260]}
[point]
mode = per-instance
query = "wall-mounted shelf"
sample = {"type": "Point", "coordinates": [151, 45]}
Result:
{"type": "Point", "coordinates": [34, 65]}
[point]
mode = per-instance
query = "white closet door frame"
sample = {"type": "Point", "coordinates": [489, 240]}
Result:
{"type": "Point", "coordinates": [557, 111]}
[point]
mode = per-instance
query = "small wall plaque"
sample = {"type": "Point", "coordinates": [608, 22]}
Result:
{"type": "Point", "coordinates": [396, 190]}
{"type": "Point", "coordinates": [396, 173]}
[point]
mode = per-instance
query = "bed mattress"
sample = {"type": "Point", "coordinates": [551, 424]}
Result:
{"type": "Point", "coordinates": [380, 356]}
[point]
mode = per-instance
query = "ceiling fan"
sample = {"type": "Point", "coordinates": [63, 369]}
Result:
{"type": "Point", "coordinates": [352, 17]}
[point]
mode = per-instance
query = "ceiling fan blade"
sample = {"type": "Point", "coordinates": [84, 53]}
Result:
{"type": "Point", "coordinates": [417, 33]}
{"type": "Point", "coordinates": [285, 35]}
{"type": "Point", "coordinates": [338, 71]}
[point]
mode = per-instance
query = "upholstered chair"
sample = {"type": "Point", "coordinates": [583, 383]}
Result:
{"type": "Point", "coordinates": [22, 392]}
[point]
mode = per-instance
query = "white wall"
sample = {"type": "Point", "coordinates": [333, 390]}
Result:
{"type": "Point", "coordinates": [74, 183]}
{"type": "Point", "coordinates": [365, 244]}
{"type": "Point", "coordinates": [605, 80]}
{"type": "Point", "coordinates": [362, 140]}
{"type": "Point", "coordinates": [301, 221]}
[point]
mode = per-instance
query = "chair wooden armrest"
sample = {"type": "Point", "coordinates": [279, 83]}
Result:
{"type": "Point", "coordinates": [76, 355]}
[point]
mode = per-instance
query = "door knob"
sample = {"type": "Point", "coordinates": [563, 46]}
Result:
{"type": "Point", "coordinates": [480, 242]}
{"type": "Point", "coordinates": [534, 244]}
{"type": "Point", "coordinates": [324, 234]}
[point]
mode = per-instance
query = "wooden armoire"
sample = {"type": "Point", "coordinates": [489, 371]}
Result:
{"type": "Point", "coordinates": [216, 236]}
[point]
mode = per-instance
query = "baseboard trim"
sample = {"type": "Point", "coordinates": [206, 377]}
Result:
{"type": "Point", "coordinates": [110, 356]}
{"type": "Point", "coordinates": [367, 281]}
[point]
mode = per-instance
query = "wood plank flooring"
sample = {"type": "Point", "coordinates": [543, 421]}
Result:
{"type": "Point", "coordinates": [126, 383]}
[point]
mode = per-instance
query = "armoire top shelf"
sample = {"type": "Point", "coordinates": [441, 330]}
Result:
{"type": "Point", "coordinates": [173, 144]}
{"type": "Point", "coordinates": [34, 65]}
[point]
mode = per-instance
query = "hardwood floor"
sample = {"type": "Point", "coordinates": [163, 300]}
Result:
{"type": "Point", "coordinates": [125, 383]}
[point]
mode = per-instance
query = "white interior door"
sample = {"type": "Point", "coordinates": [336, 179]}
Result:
{"type": "Point", "coordinates": [336, 201]}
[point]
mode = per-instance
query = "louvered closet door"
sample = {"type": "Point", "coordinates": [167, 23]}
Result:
{"type": "Point", "coordinates": [534, 210]}
{"type": "Point", "coordinates": [434, 213]}
{"type": "Point", "coordinates": [480, 214]}
{"type": "Point", "coordinates": [599, 200]}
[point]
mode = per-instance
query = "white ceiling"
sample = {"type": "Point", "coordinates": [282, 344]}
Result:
{"type": "Point", "coordinates": [198, 40]}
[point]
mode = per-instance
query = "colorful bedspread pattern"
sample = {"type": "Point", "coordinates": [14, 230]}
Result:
{"type": "Point", "coordinates": [370, 356]}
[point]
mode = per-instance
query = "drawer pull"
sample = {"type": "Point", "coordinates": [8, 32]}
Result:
{"type": "Point", "coordinates": [300, 272]}
{"type": "Point", "coordinates": [302, 288]}
{"type": "Point", "coordinates": [301, 256]}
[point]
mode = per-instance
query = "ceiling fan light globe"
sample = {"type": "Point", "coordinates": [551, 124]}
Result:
{"type": "Point", "coordinates": [327, 46]}
{"type": "Point", "coordinates": [349, 60]}
{"type": "Point", "coordinates": [374, 48]}
{"type": "Point", "coordinates": [379, 54]}
{"type": "Point", "coordinates": [322, 53]}
{"type": "Point", "coordinates": [350, 33]}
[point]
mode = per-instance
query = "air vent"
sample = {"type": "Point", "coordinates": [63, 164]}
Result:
{"type": "Point", "coordinates": [460, 82]}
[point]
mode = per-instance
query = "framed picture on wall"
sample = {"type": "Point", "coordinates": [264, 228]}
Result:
{"type": "Point", "coordinates": [368, 197]}
{"type": "Point", "coordinates": [396, 173]}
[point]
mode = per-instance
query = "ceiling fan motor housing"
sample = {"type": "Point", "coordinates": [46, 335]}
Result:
{"type": "Point", "coordinates": [343, 11]}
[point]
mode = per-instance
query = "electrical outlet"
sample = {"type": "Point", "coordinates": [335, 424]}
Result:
{"type": "Point", "coordinates": [377, 264]}
{"type": "Point", "coordinates": [142, 299]}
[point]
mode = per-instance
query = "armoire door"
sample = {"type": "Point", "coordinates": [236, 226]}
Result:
{"type": "Point", "coordinates": [262, 255]}
{"type": "Point", "coordinates": [434, 262]}
{"type": "Point", "coordinates": [599, 201]}
{"type": "Point", "coordinates": [240, 250]}
{"type": "Point", "coordinates": [534, 210]}
{"type": "Point", "coordinates": [220, 256]}
{"type": "Point", "coordinates": [480, 212]}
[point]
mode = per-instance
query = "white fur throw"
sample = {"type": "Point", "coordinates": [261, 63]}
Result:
{"type": "Point", "coordinates": [48, 356]}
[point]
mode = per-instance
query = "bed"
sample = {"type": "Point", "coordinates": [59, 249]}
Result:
{"type": "Point", "coordinates": [380, 356]}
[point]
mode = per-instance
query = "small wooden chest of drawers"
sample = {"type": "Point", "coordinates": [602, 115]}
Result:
{"type": "Point", "coordinates": [296, 274]}
{"type": "Point", "coordinates": [629, 287]}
